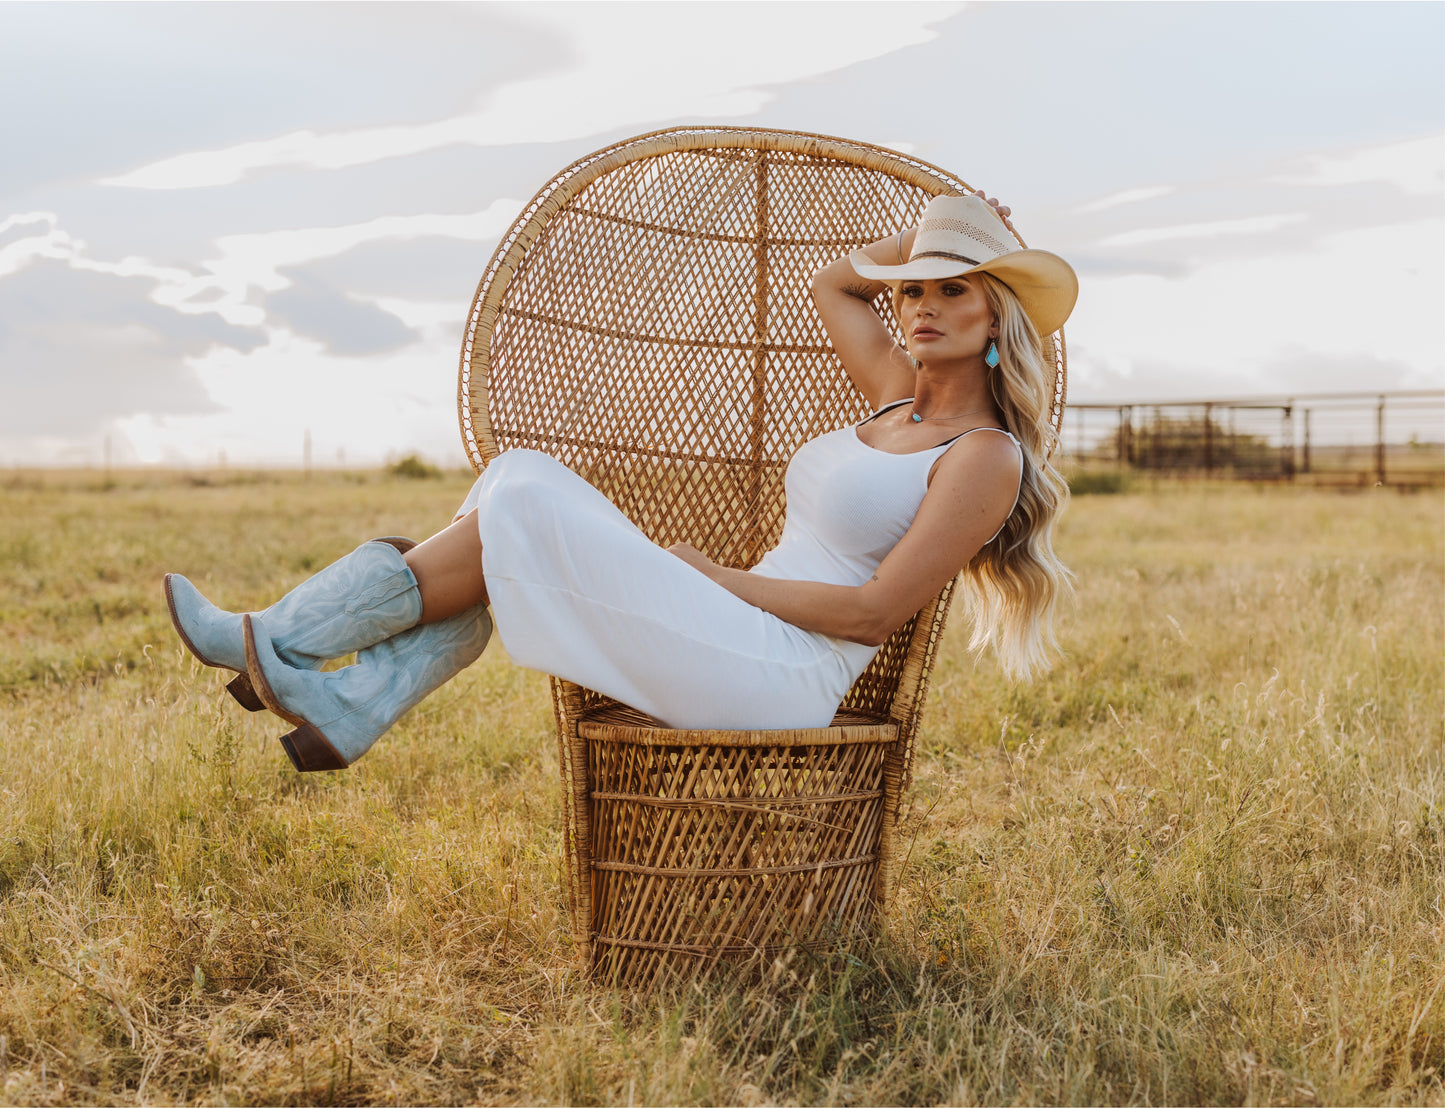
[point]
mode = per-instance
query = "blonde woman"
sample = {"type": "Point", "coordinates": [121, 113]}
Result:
{"type": "Point", "coordinates": [950, 474]}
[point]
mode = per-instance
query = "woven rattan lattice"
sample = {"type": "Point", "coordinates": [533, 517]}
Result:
{"type": "Point", "coordinates": [647, 321]}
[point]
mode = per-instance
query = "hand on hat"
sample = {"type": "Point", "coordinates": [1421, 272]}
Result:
{"type": "Point", "coordinates": [1002, 209]}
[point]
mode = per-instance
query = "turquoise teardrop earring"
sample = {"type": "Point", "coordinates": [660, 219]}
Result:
{"type": "Point", "coordinates": [991, 359]}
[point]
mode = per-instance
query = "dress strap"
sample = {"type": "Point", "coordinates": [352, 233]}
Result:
{"type": "Point", "coordinates": [1018, 489]}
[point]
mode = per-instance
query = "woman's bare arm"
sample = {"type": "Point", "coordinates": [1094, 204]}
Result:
{"type": "Point", "coordinates": [971, 495]}
{"type": "Point", "coordinates": [880, 369]}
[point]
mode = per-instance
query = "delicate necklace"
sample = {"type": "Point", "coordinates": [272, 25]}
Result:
{"type": "Point", "coordinates": [926, 418]}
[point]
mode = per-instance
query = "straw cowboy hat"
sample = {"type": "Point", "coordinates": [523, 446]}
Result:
{"type": "Point", "coordinates": [963, 234]}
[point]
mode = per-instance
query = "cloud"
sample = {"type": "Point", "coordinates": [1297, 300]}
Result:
{"type": "Point", "coordinates": [253, 263]}
{"type": "Point", "coordinates": [246, 265]}
{"type": "Point", "coordinates": [711, 62]}
{"type": "Point", "coordinates": [93, 90]}
{"type": "Point", "coordinates": [1252, 225]}
{"type": "Point", "coordinates": [432, 268]}
{"type": "Point", "coordinates": [1241, 323]}
{"type": "Point", "coordinates": [1416, 167]}
{"type": "Point", "coordinates": [345, 325]}
{"type": "Point", "coordinates": [32, 236]}
{"type": "Point", "coordinates": [1126, 196]}
{"type": "Point", "coordinates": [354, 410]}
{"type": "Point", "coordinates": [79, 347]}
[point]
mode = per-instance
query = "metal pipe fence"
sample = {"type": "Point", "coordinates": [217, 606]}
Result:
{"type": "Point", "coordinates": [1329, 439]}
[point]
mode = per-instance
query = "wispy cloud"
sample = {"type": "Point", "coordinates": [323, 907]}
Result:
{"type": "Point", "coordinates": [254, 262]}
{"type": "Point", "coordinates": [623, 64]}
{"type": "Point", "coordinates": [1252, 225]}
{"type": "Point", "coordinates": [1416, 167]}
{"type": "Point", "coordinates": [1127, 196]}
{"type": "Point", "coordinates": [248, 263]}
{"type": "Point", "coordinates": [42, 240]}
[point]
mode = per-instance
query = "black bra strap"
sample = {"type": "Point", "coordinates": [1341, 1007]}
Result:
{"type": "Point", "coordinates": [886, 408]}
{"type": "Point", "coordinates": [971, 430]}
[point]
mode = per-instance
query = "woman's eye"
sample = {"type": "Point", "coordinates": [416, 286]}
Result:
{"type": "Point", "coordinates": [912, 290]}
{"type": "Point", "coordinates": [952, 290]}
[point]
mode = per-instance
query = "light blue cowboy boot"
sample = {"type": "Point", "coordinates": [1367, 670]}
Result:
{"type": "Point", "coordinates": [358, 600]}
{"type": "Point", "coordinates": [338, 715]}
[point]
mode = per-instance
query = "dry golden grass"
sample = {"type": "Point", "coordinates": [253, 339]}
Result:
{"type": "Point", "coordinates": [1200, 863]}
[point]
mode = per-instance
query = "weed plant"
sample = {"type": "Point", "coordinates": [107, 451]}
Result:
{"type": "Point", "coordinates": [1200, 862]}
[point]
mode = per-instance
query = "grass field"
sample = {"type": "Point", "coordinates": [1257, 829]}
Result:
{"type": "Point", "coordinates": [1201, 862]}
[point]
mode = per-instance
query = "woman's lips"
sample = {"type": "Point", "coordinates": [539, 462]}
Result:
{"type": "Point", "coordinates": [926, 333]}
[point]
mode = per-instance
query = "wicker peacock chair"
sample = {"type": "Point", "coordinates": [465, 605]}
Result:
{"type": "Point", "coordinates": [647, 320]}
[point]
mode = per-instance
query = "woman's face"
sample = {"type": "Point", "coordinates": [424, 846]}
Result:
{"type": "Point", "coordinates": [946, 320]}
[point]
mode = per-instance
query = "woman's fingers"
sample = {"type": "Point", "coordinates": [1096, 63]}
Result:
{"type": "Point", "coordinates": [1003, 210]}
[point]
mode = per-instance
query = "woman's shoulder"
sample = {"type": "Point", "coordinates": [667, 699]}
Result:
{"type": "Point", "coordinates": [983, 454]}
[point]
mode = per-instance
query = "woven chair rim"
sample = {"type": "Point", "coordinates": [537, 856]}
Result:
{"type": "Point", "coordinates": [472, 412]}
{"type": "Point", "coordinates": [624, 725]}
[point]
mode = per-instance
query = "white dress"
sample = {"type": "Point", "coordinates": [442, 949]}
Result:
{"type": "Point", "coordinates": [578, 591]}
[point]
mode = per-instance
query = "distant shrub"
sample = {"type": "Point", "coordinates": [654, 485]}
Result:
{"type": "Point", "coordinates": [1098, 482]}
{"type": "Point", "coordinates": [413, 468]}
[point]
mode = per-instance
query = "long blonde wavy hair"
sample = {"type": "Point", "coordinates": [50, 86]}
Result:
{"type": "Point", "coordinates": [1012, 587]}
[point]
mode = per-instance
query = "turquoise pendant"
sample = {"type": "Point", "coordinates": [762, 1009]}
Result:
{"type": "Point", "coordinates": [917, 418]}
{"type": "Point", "coordinates": [992, 358]}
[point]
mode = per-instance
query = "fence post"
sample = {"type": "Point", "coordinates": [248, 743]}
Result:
{"type": "Point", "coordinates": [1305, 468]}
{"type": "Point", "coordinates": [1209, 440]}
{"type": "Point", "coordinates": [1380, 441]}
{"type": "Point", "coordinates": [1286, 442]}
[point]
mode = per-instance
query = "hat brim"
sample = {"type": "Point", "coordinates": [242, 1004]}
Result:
{"type": "Point", "coordinates": [1044, 283]}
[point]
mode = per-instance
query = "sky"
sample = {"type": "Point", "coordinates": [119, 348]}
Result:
{"type": "Point", "coordinates": [227, 227]}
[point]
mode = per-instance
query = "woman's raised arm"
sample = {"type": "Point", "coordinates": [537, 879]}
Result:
{"type": "Point", "coordinates": [879, 367]}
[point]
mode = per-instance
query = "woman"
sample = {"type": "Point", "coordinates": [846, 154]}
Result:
{"type": "Point", "coordinates": [949, 474]}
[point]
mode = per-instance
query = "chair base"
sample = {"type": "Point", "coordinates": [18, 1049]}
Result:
{"type": "Point", "coordinates": [723, 846]}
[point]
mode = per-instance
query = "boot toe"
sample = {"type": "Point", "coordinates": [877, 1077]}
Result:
{"type": "Point", "coordinates": [211, 634]}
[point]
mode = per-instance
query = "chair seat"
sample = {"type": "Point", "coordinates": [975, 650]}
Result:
{"type": "Point", "coordinates": [621, 724]}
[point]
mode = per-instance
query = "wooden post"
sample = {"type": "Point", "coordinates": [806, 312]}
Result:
{"type": "Point", "coordinates": [1286, 442]}
{"type": "Point", "coordinates": [1208, 440]}
{"type": "Point", "coordinates": [1305, 467]}
{"type": "Point", "coordinates": [1380, 442]}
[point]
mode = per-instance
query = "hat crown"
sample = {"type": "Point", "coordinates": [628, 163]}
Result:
{"type": "Point", "coordinates": [959, 227]}
{"type": "Point", "coordinates": [958, 235]}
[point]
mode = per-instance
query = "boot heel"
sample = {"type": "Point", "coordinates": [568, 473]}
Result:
{"type": "Point", "coordinates": [309, 751]}
{"type": "Point", "coordinates": [243, 694]}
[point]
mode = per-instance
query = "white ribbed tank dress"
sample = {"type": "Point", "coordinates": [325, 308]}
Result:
{"type": "Point", "coordinates": [578, 591]}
